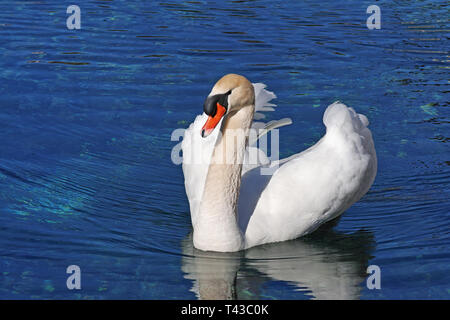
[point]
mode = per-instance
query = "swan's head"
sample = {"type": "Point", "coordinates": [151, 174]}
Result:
{"type": "Point", "coordinates": [231, 93]}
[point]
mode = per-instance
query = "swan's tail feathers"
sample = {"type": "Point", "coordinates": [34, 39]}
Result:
{"type": "Point", "coordinates": [338, 115]}
{"type": "Point", "coordinates": [264, 128]}
{"type": "Point", "coordinates": [262, 100]}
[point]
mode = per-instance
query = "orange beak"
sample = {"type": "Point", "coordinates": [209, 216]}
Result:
{"type": "Point", "coordinates": [212, 122]}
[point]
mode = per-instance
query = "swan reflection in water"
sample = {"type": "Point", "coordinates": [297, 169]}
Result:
{"type": "Point", "coordinates": [324, 265]}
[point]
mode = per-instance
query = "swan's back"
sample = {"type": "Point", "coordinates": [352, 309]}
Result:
{"type": "Point", "coordinates": [312, 187]}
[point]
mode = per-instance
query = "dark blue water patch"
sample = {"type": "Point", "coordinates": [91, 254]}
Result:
{"type": "Point", "coordinates": [86, 118]}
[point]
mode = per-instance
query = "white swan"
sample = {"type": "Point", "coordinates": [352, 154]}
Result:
{"type": "Point", "coordinates": [234, 208]}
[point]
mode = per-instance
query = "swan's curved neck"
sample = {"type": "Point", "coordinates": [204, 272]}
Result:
{"type": "Point", "coordinates": [216, 228]}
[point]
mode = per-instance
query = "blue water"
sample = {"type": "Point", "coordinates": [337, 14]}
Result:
{"type": "Point", "coordinates": [86, 118]}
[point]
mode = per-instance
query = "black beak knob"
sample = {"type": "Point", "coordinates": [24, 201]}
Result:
{"type": "Point", "coordinates": [210, 105]}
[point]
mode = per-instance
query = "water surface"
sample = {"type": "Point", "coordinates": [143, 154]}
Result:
{"type": "Point", "coordinates": [86, 118]}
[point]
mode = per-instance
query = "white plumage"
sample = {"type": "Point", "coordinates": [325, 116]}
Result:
{"type": "Point", "coordinates": [305, 191]}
